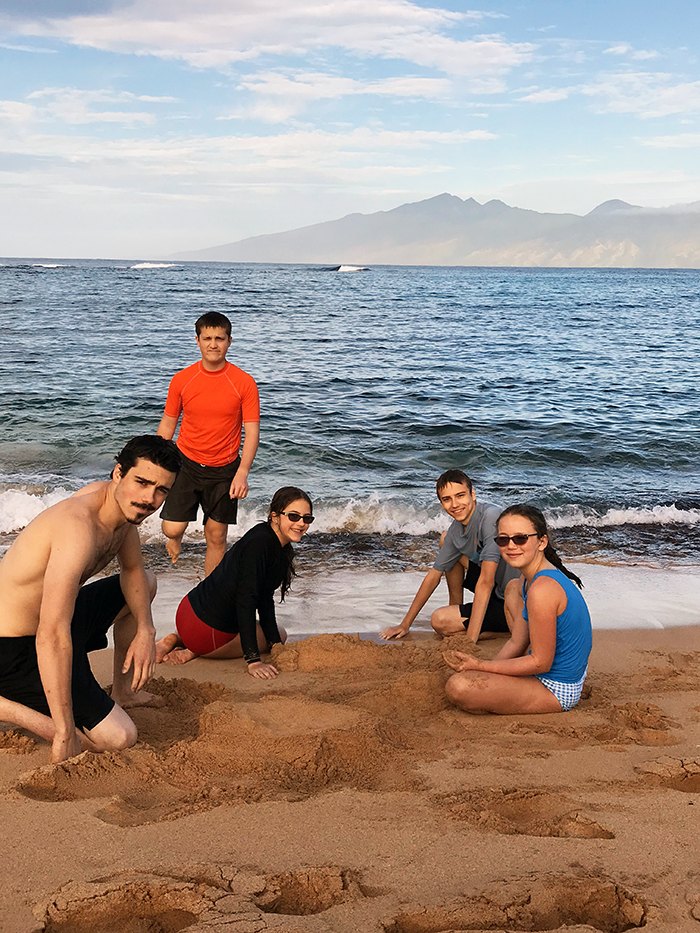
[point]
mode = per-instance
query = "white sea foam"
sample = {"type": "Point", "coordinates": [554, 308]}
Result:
{"type": "Point", "coordinates": [353, 269]}
{"type": "Point", "coordinates": [48, 265]}
{"type": "Point", "coordinates": [658, 515]}
{"type": "Point", "coordinates": [18, 508]}
{"type": "Point", "coordinates": [154, 265]}
{"type": "Point", "coordinates": [372, 515]}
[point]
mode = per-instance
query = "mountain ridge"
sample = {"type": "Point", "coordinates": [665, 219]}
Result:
{"type": "Point", "coordinates": [446, 230]}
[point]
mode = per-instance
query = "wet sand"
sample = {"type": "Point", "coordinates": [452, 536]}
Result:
{"type": "Point", "coordinates": [347, 796]}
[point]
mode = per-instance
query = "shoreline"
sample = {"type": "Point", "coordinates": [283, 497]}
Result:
{"type": "Point", "coordinates": [349, 601]}
{"type": "Point", "coordinates": [346, 796]}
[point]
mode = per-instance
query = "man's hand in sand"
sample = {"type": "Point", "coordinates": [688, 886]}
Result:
{"type": "Point", "coordinates": [262, 670]}
{"type": "Point", "coordinates": [460, 662]}
{"type": "Point", "coordinates": [64, 747]}
{"type": "Point", "coordinates": [142, 656]}
{"type": "Point", "coordinates": [395, 632]}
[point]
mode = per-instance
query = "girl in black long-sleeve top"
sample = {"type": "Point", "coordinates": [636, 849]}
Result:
{"type": "Point", "coordinates": [217, 619]}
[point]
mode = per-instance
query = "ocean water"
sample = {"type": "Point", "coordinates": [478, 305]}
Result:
{"type": "Point", "coordinates": [576, 390]}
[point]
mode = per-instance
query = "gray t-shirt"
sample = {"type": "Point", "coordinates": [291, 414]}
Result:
{"type": "Point", "coordinates": [476, 542]}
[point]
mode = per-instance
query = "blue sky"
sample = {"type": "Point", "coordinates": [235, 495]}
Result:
{"type": "Point", "coordinates": [136, 128]}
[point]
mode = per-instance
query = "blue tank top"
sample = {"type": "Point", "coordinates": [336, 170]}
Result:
{"type": "Point", "coordinates": [574, 632]}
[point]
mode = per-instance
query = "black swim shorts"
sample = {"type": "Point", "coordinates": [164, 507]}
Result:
{"type": "Point", "coordinates": [197, 485]}
{"type": "Point", "coordinates": [495, 616]}
{"type": "Point", "coordinates": [96, 607]}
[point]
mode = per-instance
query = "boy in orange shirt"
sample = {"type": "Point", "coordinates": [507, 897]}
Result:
{"type": "Point", "coordinates": [217, 401]}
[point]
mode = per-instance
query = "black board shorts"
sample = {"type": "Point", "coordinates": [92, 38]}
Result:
{"type": "Point", "coordinates": [495, 615]}
{"type": "Point", "coordinates": [197, 485]}
{"type": "Point", "coordinates": [96, 607]}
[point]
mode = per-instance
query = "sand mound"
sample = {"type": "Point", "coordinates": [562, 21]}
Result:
{"type": "Point", "coordinates": [345, 713]}
{"type": "Point", "coordinates": [349, 653]}
{"type": "Point", "coordinates": [178, 719]}
{"type": "Point", "coordinates": [295, 743]}
{"type": "Point", "coordinates": [14, 743]}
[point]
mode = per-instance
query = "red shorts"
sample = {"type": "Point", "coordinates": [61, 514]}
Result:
{"type": "Point", "coordinates": [197, 635]}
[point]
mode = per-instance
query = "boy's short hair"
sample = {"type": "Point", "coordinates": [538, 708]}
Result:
{"type": "Point", "coordinates": [453, 476]}
{"type": "Point", "coordinates": [212, 319]}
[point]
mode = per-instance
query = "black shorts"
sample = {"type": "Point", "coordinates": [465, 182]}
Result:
{"type": "Point", "coordinates": [495, 616]}
{"type": "Point", "coordinates": [96, 607]}
{"type": "Point", "coordinates": [197, 485]}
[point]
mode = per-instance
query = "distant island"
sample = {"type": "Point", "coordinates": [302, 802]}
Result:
{"type": "Point", "coordinates": [447, 231]}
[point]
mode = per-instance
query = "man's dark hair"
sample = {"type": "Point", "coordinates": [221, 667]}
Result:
{"type": "Point", "coordinates": [212, 319]}
{"type": "Point", "coordinates": [150, 447]}
{"type": "Point", "coordinates": [453, 476]}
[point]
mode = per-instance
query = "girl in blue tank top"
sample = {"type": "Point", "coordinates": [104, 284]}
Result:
{"type": "Point", "coordinates": [542, 667]}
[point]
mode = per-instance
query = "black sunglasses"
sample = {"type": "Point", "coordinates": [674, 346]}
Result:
{"type": "Point", "coordinates": [518, 540]}
{"type": "Point", "coordinates": [297, 516]}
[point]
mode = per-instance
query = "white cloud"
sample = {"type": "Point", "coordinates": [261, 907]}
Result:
{"type": "Point", "coordinates": [231, 161]}
{"type": "Point", "coordinates": [216, 33]}
{"type": "Point", "coordinates": [547, 96]}
{"type": "Point", "coordinates": [621, 49]}
{"type": "Point", "coordinates": [644, 93]}
{"type": "Point", "coordinates": [27, 48]}
{"type": "Point", "coordinates": [73, 106]}
{"type": "Point", "coordinates": [284, 95]}
{"type": "Point", "coordinates": [679, 141]}
{"type": "Point", "coordinates": [15, 111]}
{"type": "Point", "coordinates": [624, 48]}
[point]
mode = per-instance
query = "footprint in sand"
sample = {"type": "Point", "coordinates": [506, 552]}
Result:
{"type": "Point", "coordinates": [523, 812]}
{"type": "Point", "coordinates": [676, 773]}
{"type": "Point", "coordinates": [219, 898]}
{"type": "Point", "coordinates": [216, 899]}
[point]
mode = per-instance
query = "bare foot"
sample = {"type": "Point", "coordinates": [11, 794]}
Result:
{"type": "Point", "coordinates": [173, 546]}
{"type": "Point", "coordinates": [165, 646]}
{"type": "Point", "coordinates": [179, 656]}
{"type": "Point", "coordinates": [142, 698]}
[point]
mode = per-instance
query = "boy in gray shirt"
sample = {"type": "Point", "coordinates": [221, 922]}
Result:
{"type": "Point", "coordinates": [469, 557]}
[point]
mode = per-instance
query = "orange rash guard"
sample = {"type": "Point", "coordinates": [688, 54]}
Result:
{"type": "Point", "coordinates": [214, 407]}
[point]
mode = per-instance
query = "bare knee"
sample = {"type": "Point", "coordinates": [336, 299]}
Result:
{"type": "Point", "coordinates": [462, 691]}
{"type": "Point", "coordinates": [115, 733]}
{"type": "Point", "coordinates": [447, 621]}
{"type": "Point", "coordinates": [283, 634]}
{"type": "Point", "coordinates": [174, 529]}
{"type": "Point", "coordinates": [438, 622]}
{"type": "Point", "coordinates": [126, 736]}
{"type": "Point", "coordinates": [215, 534]}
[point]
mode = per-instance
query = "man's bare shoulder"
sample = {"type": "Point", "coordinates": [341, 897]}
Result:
{"type": "Point", "coordinates": [100, 487]}
{"type": "Point", "coordinates": [75, 518]}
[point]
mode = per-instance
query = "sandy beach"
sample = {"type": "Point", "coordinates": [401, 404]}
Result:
{"type": "Point", "coordinates": [347, 796]}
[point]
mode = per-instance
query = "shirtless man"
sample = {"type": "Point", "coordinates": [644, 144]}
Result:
{"type": "Point", "coordinates": [49, 620]}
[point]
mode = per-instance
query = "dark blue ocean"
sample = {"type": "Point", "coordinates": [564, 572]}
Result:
{"type": "Point", "coordinates": [573, 389]}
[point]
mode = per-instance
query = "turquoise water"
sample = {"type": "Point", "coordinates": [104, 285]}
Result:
{"type": "Point", "coordinates": [573, 389]}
